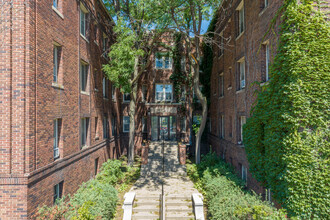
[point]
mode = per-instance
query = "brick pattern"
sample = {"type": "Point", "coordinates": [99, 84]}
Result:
{"type": "Point", "coordinates": [31, 101]}
{"type": "Point", "coordinates": [236, 103]}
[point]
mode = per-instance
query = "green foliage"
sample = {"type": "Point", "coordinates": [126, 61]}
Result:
{"type": "Point", "coordinates": [95, 199]}
{"type": "Point", "coordinates": [224, 192]}
{"type": "Point", "coordinates": [122, 58]}
{"type": "Point", "coordinates": [287, 136]}
{"type": "Point", "coordinates": [101, 197]}
{"type": "Point", "coordinates": [207, 61]}
{"type": "Point", "coordinates": [179, 77]}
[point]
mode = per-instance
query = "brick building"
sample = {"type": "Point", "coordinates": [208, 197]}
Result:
{"type": "Point", "coordinates": [160, 112]}
{"type": "Point", "coordinates": [249, 47]}
{"type": "Point", "coordinates": [55, 104]}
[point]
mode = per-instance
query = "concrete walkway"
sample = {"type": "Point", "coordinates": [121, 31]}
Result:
{"type": "Point", "coordinates": [177, 186]}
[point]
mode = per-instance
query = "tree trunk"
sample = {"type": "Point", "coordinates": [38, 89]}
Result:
{"type": "Point", "coordinates": [203, 101]}
{"type": "Point", "coordinates": [132, 108]}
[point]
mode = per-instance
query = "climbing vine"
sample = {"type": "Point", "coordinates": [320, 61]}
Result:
{"type": "Point", "coordinates": [207, 62]}
{"type": "Point", "coordinates": [178, 77]}
{"type": "Point", "coordinates": [287, 136]}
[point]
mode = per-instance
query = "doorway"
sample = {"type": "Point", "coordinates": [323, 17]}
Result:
{"type": "Point", "coordinates": [163, 128]}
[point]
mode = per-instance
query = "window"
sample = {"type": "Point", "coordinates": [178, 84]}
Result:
{"type": "Point", "coordinates": [83, 21]}
{"type": "Point", "coordinates": [56, 62]}
{"type": "Point", "coordinates": [183, 64]}
{"type": "Point", "coordinates": [58, 191]}
{"type": "Point", "coordinates": [268, 196]}
{"type": "Point", "coordinates": [127, 97]}
{"type": "Point", "coordinates": [57, 133]}
{"type": "Point", "coordinates": [113, 126]}
{"type": "Point", "coordinates": [144, 92]}
{"type": "Point", "coordinates": [242, 121]}
{"type": "Point", "coordinates": [222, 127]}
{"type": "Point", "coordinates": [221, 85]}
{"type": "Point", "coordinates": [55, 4]}
{"type": "Point", "coordinates": [241, 68]}
{"type": "Point", "coordinates": [96, 166]}
{"type": "Point", "coordinates": [106, 129]}
{"type": "Point", "coordinates": [164, 92]}
{"type": "Point", "coordinates": [83, 76]}
{"type": "Point", "coordinates": [221, 46]}
{"type": "Point", "coordinates": [230, 126]}
{"type": "Point", "coordinates": [263, 4]}
{"type": "Point", "coordinates": [183, 124]}
{"type": "Point", "coordinates": [104, 42]}
{"type": "Point", "coordinates": [144, 124]}
{"type": "Point", "coordinates": [113, 92]}
{"type": "Point", "coordinates": [126, 124]}
{"type": "Point", "coordinates": [163, 61]}
{"type": "Point", "coordinates": [244, 173]}
{"type": "Point", "coordinates": [240, 11]}
{"type": "Point", "coordinates": [84, 132]}
{"type": "Point", "coordinates": [267, 61]}
{"type": "Point", "coordinates": [96, 33]}
{"type": "Point", "coordinates": [96, 128]}
{"type": "Point", "coordinates": [105, 86]}
{"type": "Point", "coordinates": [183, 93]}
{"type": "Point", "coordinates": [266, 3]}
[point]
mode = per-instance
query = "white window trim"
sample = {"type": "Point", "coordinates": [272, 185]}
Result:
{"type": "Point", "coordinates": [163, 57]}
{"type": "Point", "coordinates": [85, 12]}
{"type": "Point", "coordinates": [242, 123]}
{"type": "Point", "coordinates": [84, 131]}
{"type": "Point", "coordinates": [125, 131]}
{"type": "Point", "coordinates": [55, 63]}
{"type": "Point", "coordinates": [164, 92]}
{"type": "Point", "coordinates": [86, 91]}
{"type": "Point", "coordinates": [242, 83]}
{"type": "Point", "coordinates": [56, 140]}
{"type": "Point", "coordinates": [267, 60]}
{"type": "Point", "coordinates": [239, 8]}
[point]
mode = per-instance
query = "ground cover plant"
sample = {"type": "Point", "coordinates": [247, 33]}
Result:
{"type": "Point", "coordinates": [225, 193]}
{"type": "Point", "coordinates": [96, 198]}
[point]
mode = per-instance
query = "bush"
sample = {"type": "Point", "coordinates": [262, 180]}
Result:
{"type": "Point", "coordinates": [100, 197]}
{"type": "Point", "coordinates": [224, 192]}
{"type": "Point", "coordinates": [95, 199]}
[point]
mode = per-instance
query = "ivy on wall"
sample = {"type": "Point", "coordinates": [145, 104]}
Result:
{"type": "Point", "coordinates": [287, 136]}
{"type": "Point", "coordinates": [207, 61]}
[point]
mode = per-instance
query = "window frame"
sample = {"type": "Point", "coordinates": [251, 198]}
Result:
{"type": "Point", "coordinates": [241, 19]}
{"type": "Point", "coordinates": [267, 59]}
{"type": "Point", "coordinates": [164, 93]}
{"type": "Point", "coordinates": [106, 127]}
{"type": "Point", "coordinates": [83, 21]}
{"type": "Point", "coordinates": [58, 191]}
{"type": "Point", "coordinates": [144, 124]}
{"type": "Point", "coordinates": [84, 126]}
{"type": "Point", "coordinates": [125, 98]}
{"type": "Point", "coordinates": [183, 124]}
{"type": "Point", "coordinates": [222, 127]}
{"type": "Point", "coordinates": [125, 122]}
{"type": "Point", "coordinates": [242, 74]}
{"type": "Point", "coordinates": [84, 69]}
{"type": "Point", "coordinates": [105, 88]}
{"type": "Point", "coordinates": [161, 57]}
{"type": "Point", "coordinates": [56, 136]}
{"type": "Point", "coordinates": [244, 173]}
{"type": "Point", "coordinates": [144, 91]}
{"type": "Point", "coordinates": [242, 122]}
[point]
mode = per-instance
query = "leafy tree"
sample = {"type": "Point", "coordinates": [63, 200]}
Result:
{"type": "Point", "coordinates": [287, 136]}
{"type": "Point", "coordinates": [187, 17]}
{"type": "Point", "coordinates": [139, 26]}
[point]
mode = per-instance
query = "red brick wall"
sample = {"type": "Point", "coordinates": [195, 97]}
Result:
{"type": "Point", "coordinates": [30, 102]}
{"type": "Point", "coordinates": [236, 103]}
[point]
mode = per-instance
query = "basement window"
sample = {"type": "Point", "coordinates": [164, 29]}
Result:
{"type": "Point", "coordinates": [58, 191]}
{"type": "Point", "coordinates": [57, 134]}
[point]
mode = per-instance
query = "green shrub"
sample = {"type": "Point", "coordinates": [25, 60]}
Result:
{"type": "Point", "coordinates": [56, 212]}
{"type": "Point", "coordinates": [103, 196]}
{"type": "Point", "coordinates": [287, 136]}
{"type": "Point", "coordinates": [224, 192]}
{"type": "Point", "coordinates": [111, 172]}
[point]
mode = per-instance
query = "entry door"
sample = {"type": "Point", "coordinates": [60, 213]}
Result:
{"type": "Point", "coordinates": [163, 128]}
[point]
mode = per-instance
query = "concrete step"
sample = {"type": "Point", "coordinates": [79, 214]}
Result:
{"type": "Point", "coordinates": [188, 217]}
{"type": "Point", "coordinates": [145, 215]}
